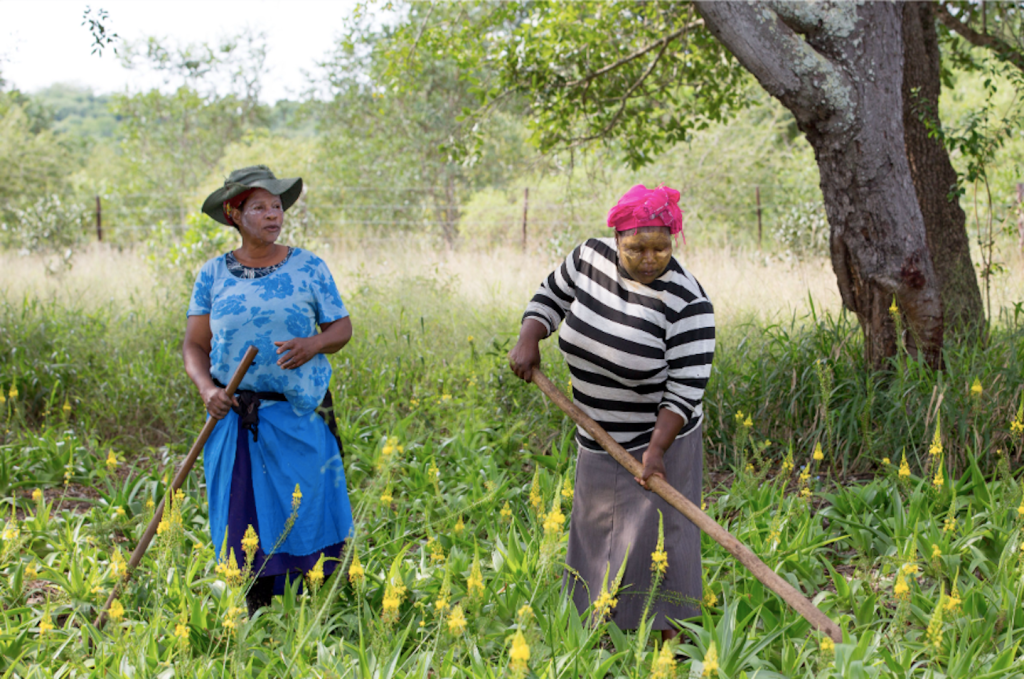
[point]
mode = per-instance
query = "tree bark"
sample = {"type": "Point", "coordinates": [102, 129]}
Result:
{"type": "Point", "coordinates": [838, 67]}
{"type": "Point", "coordinates": [934, 176]}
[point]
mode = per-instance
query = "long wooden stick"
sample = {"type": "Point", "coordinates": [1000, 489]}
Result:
{"type": "Point", "coordinates": [179, 480]}
{"type": "Point", "coordinates": [743, 554]}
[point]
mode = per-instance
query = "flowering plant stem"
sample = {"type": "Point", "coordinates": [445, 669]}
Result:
{"type": "Point", "coordinates": [179, 480]}
{"type": "Point", "coordinates": [661, 487]}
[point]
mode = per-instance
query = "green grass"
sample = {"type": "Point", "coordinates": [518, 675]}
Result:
{"type": "Point", "coordinates": [427, 373]}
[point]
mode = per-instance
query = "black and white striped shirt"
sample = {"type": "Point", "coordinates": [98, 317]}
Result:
{"type": "Point", "coordinates": [632, 349]}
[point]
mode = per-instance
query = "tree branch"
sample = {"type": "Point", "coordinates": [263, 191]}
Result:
{"type": "Point", "coordinates": [977, 39]}
{"type": "Point", "coordinates": [662, 42]}
{"type": "Point", "coordinates": [786, 65]}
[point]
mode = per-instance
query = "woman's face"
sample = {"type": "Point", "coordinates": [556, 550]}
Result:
{"type": "Point", "coordinates": [645, 254]}
{"type": "Point", "coordinates": [261, 217]}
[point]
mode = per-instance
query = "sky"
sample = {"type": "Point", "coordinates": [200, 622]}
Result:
{"type": "Point", "coordinates": [43, 42]}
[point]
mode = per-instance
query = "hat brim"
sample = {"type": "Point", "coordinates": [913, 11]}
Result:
{"type": "Point", "coordinates": [289, 189]}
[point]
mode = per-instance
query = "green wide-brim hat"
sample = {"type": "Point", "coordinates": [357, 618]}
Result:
{"type": "Point", "coordinates": [254, 177]}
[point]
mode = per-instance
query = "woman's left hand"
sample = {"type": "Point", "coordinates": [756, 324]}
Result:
{"type": "Point", "coordinates": [654, 465]}
{"type": "Point", "coordinates": [297, 352]}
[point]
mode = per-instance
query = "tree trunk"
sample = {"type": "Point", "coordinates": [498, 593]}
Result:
{"type": "Point", "coordinates": [838, 67]}
{"type": "Point", "coordinates": [934, 176]}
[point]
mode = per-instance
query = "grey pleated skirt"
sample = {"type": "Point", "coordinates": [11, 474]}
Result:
{"type": "Point", "coordinates": [611, 513]}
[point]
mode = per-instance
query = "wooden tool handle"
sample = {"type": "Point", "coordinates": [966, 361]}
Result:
{"type": "Point", "coordinates": [179, 480]}
{"type": "Point", "coordinates": [743, 554]}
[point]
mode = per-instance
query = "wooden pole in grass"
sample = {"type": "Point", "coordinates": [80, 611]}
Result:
{"type": "Point", "coordinates": [179, 480]}
{"type": "Point", "coordinates": [743, 554]}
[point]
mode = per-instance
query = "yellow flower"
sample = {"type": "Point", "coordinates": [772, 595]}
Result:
{"type": "Point", "coordinates": [181, 631]}
{"type": "Point", "coordinates": [116, 610]}
{"type": "Point", "coordinates": [553, 522]}
{"type": "Point", "coordinates": [162, 527]}
{"type": "Point", "coordinates": [37, 495]}
{"type": "Point", "coordinates": [433, 472]}
{"type": "Point", "coordinates": [1017, 426]}
{"type": "Point", "coordinates": [506, 512]}
{"type": "Point", "coordinates": [111, 460]}
{"type": "Point", "coordinates": [710, 598]}
{"type": "Point", "coordinates": [66, 407]}
{"type": "Point", "coordinates": [976, 388]}
{"type": "Point", "coordinates": [296, 497]}
{"type": "Point", "coordinates": [604, 603]}
{"type": "Point", "coordinates": [828, 647]}
{"type": "Point", "coordinates": [393, 595]}
{"type": "Point", "coordinates": [117, 564]}
{"type": "Point", "coordinates": [901, 589]}
{"type": "Point", "coordinates": [356, 573]}
{"type": "Point", "coordinates": [436, 550]}
{"type": "Point", "coordinates": [664, 665]}
{"type": "Point", "coordinates": [469, 339]}
{"type": "Point", "coordinates": [805, 493]}
{"type": "Point", "coordinates": [953, 600]}
{"type": "Point", "coordinates": [13, 393]}
{"type": "Point", "coordinates": [45, 625]}
{"type": "Point", "coordinates": [250, 541]}
{"type": "Point", "coordinates": [886, 461]}
{"type": "Point", "coordinates": [950, 525]}
{"type": "Point", "coordinates": [446, 397]}
{"type": "Point", "coordinates": [179, 495]}
{"type": "Point", "coordinates": [710, 661]}
{"type": "Point", "coordinates": [893, 309]}
{"type": "Point", "coordinates": [659, 561]}
{"type": "Point", "coordinates": [805, 475]}
{"type": "Point", "coordinates": [936, 552]}
{"type": "Point", "coordinates": [119, 512]}
{"type": "Point", "coordinates": [567, 491]}
{"type": "Point", "coordinates": [441, 604]}
{"type": "Point", "coordinates": [748, 423]}
{"type": "Point", "coordinates": [520, 653]}
{"type": "Point", "coordinates": [525, 612]}
{"type": "Point", "coordinates": [904, 467]}
{"type": "Point", "coordinates": [414, 402]}
{"type": "Point", "coordinates": [475, 581]}
{"type": "Point", "coordinates": [315, 575]}
{"type": "Point", "coordinates": [459, 526]}
{"type": "Point", "coordinates": [1020, 510]}
{"type": "Point", "coordinates": [457, 621]}
{"type": "Point", "coordinates": [150, 504]}
{"type": "Point", "coordinates": [909, 568]}
{"type": "Point", "coordinates": [386, 498]}
{"type": "Point", "coordinates": [938, 480]}
{"type": "Point", "coordinates": [30, 572]}
{"type": "Point", "coordinates": [10, 532]}
{"type": "Point", "coordinates": [819, 455]}
{"type": "Point", "coordinates": [738, 417]}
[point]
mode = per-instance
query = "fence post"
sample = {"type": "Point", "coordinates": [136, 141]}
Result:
{"type": "Point", "coordinates": [757, 194]}
{"type": "Point", "coordinates": [99, 220]}
{"type": "Point", "coordinates": [526, 205]}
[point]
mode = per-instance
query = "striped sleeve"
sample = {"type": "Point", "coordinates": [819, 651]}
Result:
{"type": "Point", "coordinates": [689, 349]}
{"type": "Point", "coordinates": [551, 302]}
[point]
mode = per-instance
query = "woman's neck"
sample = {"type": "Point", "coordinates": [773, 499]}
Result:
{"type": "Point", "coordinates": [257, 255]}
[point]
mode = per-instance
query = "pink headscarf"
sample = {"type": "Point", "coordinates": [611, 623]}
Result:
{"type": "Point", "coordinates": [647, 207]}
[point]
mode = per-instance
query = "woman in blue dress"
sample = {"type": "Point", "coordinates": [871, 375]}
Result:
{"type": "Point", "coordinates": [275, 446]}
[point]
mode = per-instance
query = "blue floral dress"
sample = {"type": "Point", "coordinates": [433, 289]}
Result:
{"type": "Point", "coordinates": [251, 478]}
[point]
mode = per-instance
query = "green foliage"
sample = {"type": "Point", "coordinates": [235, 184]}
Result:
{"type": "Point", "coordinates": [435, 424]}
{"type": "Point", "coordinates": [391, 130]}
{"type": "Point", "coordinates": [50, 226]}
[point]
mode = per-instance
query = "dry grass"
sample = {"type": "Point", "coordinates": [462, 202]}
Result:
{"type": "Point", "coordinates": [742, 285]}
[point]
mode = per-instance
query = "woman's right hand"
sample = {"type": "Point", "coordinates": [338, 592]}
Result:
{"type": "Point", "coordinates": [217, 402]}
{"type": "Point", "coordinates": [525, 355]}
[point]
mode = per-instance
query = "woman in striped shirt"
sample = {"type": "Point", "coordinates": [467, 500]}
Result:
{"type": "Point", "coordinates": [638, 336]}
